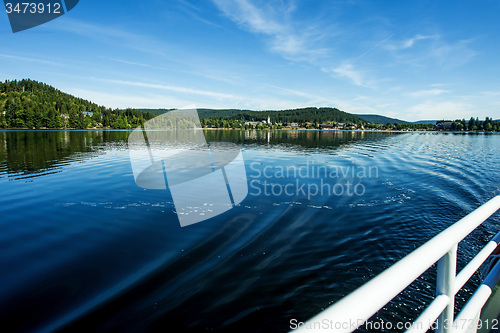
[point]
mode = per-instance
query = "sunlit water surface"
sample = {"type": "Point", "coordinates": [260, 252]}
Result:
{"type": "Point", "coordinates": [83, 247]}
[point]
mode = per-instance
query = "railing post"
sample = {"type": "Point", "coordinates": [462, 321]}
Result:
{"type": "Point", "coordinates": [445, 285]}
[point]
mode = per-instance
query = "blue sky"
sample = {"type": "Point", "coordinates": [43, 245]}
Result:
{"type": "Point", "coordinates": [411, 60]}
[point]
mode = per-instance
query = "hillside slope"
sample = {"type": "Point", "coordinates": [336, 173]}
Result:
{"type": "Point", "coordinates": [302, 115]}
{"type": "Point", "coordinates": [381, 120]}
{"type": "Point", "coordinates": [31, 104]}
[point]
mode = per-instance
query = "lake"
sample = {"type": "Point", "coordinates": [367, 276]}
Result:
{"type": "Point", "coordinates": [85, 248]}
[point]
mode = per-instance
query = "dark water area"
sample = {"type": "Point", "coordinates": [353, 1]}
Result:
{"type": "Point", "coordinates": [83, 248]}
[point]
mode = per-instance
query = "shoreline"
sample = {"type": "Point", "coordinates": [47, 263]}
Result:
{"type": "Point", "coordinates": [253, 129]}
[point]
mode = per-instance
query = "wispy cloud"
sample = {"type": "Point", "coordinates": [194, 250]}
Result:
{"type": "Point", "coordinates": [376, 46]}
{"type": "Point", "coordinates": [127, 62]}
{"type": "Point", "coordinates": [437, 50]}
{"type": "Point", "coordinates": [167, 57]}
{"type": "Point", "coordinates": [301, 98]}
{"type": "Point", "coordinates": [348, 71]}
{"type": "Point", "coordinates": [116, 36]}
{"type": "Point", "coordinates": [274, 22]}
{"type": "Point", "coordinates": [408, 43]}
{"type": "Point", "coordinates": [156, 99]}
{"type": "Point", "coordinates": [136, 100]}
{"type": "Point", "coordinates": [177, 89]}
{"type": "Point", "coordinates": [453, 55]}
{"type": "Point", "coordinates": [427, 93]}
{"type": "Point", "coordinates": [490, 93]}
{"type": "Point", "coordinates": [439, 84]}
{"type": "Point", "coordinates": [256, 19]}
{"type": "Point", "coordinates": [439, 110]}
{"type": "Point", "coordinates": [189, 4]}
{"type": "Point", "coordinates": [31, 59]}
{"type": "Point", "coordinates": [298, 40]}
{"type": "Point", "coordinates": [194, 12]}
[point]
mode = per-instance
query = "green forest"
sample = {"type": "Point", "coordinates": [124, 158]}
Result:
{"type": "Point", "coordinates": [35, 105]}
{"type": "Point", "coordinates": [304, 117]}
{"type": "Point", "coordinates": [28, 104]}
{"type": "Point", "coordinates": [473, 124]}
{"type": "Point", "coordinates": [235, 118]}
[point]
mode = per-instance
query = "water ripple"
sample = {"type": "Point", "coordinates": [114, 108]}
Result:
{"type": "Point", "coordinates": [78, 234]}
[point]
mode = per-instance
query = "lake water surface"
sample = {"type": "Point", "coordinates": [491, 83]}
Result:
{"type": "Point", "coordinates": [84, 248]}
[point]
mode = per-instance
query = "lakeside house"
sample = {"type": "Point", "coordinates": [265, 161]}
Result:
{"type": "Point", "coordinates": [337, 126]}
{"type": "Point", "coordinates": [256, 123]}
{"type": "Point", "coordinates": [327, 126]}
{"type": "Point", "coordinates": [252, 123]}
{"type": "Point", "coordinates": [444, 125]}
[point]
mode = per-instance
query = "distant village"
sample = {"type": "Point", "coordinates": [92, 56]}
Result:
{"type": "Point", "coordinates": [268, 124]}
{"type": "Point", "coordinates": [30, 104]}
{"type": "Point", "coordinates": [308, 125]}
{"type": "Point", "coordinates": [474, 124]}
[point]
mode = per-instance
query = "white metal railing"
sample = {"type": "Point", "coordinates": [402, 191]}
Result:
{"type": "Point", "coordinates": [356, 308]}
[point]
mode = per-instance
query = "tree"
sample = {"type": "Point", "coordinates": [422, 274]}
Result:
{"type": "Point", "coordinates": [472, 124]}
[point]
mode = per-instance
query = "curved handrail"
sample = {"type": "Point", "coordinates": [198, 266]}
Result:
{"type": "Point", "coordinates": [356, 308]}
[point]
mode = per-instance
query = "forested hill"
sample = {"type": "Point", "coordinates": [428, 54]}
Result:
{"type": "Point", "coordinates": [203, 113]}
{"type": "Point", "coordinates": [32, 104]}
{"type": "Point", "coordinates": [302, 115]}
{"type": "Point", "coordinates": [381, 120]}
{"type": "Point", "coordinates": [29, 104]}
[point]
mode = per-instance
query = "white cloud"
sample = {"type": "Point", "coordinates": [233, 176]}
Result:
{"type": "Point", "coordinates": [312, 99]}
{"type": "Point", "coordinates": [127, 62]}
{"type": "Point", "coordinates": [452, 55]}
{"type": "Point", "coordinates": [439, 84]}
{"type": "Point", "coordinates": [376, 46]}
{"type": "Point", "coordinates": [410, 42]}
{"type": "Point", "coordinates": [428, 93]}
{"type": "Point", "coordinates": [491, 93]}
{"type": "Point", "coordinates": [31, 59]}
{"type": "Point", "coordinates": [405, 44]}
{"type": "Point", "coordinates": [182, 97]}
{"type": "Point", "coordinates": [121, 100]}
{"type": "Point", "coordinates": [177, 89]}
{"type": "Point", "coordinates": [194, 11]}
{"type": "Point", "coordinates": [439, 110]}
{"type": "Point", "coordinates": [437, 50]}
{"type": "Point", "coordinates": [245, 13]}
{"type": "Point", "coordinates": [116, 36]}
{"type": "Point", "coordinates": [287, 39]}
{"type": "Point", "coordinates": [347, 70]}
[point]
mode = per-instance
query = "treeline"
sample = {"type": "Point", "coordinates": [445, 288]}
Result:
{"type": "Point", "coordinates": [236, 118]}
{"type": "Point", "coordinates": [401, 127]}
{"type": "Point", "coordinates": [381, 120]}
{"type": "Point", "coordinates": [302, 115]}
{"type": "Point", "coordinates": [34, 105]}
{"type": "Point", "coordinates": [310, 117]}
{"type": "Point", "coordinates": [488, 125]}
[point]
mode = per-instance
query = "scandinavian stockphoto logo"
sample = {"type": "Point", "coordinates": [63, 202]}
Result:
{"type": "Point", "coordinates": [205, 180]}
{"type": "Point", "coordinates": [28, 14]}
